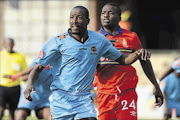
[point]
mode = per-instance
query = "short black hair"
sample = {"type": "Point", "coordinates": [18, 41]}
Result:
{"type": "Point", "coordinates": [115, 5]}
{"type": "Point", "coordinates": [85, 11]}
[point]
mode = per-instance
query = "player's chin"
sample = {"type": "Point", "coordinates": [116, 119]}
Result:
{"type": "Point", "coordinates": [75, 31]}
{"type": "Point", "coordinates": [105, 24]}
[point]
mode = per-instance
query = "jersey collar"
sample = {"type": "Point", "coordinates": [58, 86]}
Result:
{"type": "Point", "coordinates": [102, 31]}
{"type": "Point", "coordinates": [70, 33]}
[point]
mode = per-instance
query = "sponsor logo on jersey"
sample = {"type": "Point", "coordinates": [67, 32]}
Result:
{"type": "Point", "coordinates": [41, 53]}
{"type": "Point", "coordinates": [82, 48]}
{"type": "Point", "coordinates": [113, 41]}
{"type": "Point", "coordinates": [124, 42]}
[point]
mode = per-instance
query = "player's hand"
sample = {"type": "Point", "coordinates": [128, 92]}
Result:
{"type": "Point", "coordinates": [143, 54]}
{"type": "Point", "coordinates": [14, 77]}
{"type": "Point", "coordinates": [27, 92]}
{"type": "Point", "coordinates": [158, 97]}
{"type": "Point", "coordinates": [7, 76]}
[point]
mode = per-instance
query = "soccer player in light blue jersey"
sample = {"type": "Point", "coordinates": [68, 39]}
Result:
{"type": "Point", "coordinates": [41, 103]}
{"type": "Point", "coordinates": [170, 83]}
{"type": "Point", "coordinates": [170, 69]}
{"type": "Point", "coordinates": [73, 57]}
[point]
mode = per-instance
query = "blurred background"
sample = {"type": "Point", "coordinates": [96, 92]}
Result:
{"type": "Point", "coordinates": [32, 22]}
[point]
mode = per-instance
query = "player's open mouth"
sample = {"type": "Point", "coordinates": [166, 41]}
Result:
{"type": "Point", "coordinates": [106, 20]}
{"type": "Point", "coordinates": [76, 27]}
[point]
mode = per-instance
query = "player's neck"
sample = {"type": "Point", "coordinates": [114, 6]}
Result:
{"type": "Point", "coordinates": [81, 37]}
{"type": "Point", "coordinates": [111, 29]}
{"type": "Point", "coordinates": [10, 51]}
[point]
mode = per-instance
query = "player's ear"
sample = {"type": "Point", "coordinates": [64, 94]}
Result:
{"type": "Point", "coordinates": [88, 20]}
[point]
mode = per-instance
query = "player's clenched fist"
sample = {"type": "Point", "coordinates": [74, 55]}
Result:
{"type": "Point", "coordinates": [27, 92]}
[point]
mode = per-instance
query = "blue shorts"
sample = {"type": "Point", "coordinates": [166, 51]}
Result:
{"type": "Point", "coordinates": [67, 107]}
{"type": "Point", "coordinates": [37, 103]}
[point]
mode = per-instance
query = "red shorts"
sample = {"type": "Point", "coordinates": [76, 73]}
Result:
{"type": "Point", "coordinates": [117, 107]}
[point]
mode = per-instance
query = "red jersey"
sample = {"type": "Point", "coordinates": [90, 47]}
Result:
{"type": "Point", "coordinates": [112, 78]}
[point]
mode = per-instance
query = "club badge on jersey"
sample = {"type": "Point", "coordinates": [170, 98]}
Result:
{"type": "Point", "coordinates": [93, 49]}
{"type": "Point", "coordinates": [124, 42]}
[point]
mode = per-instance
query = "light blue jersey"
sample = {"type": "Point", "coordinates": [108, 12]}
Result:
{"type": "Point", "coordinates": [171, 85]}
{"type": "Point", "coordinates": [72, 63]}
{"type": "Point", "coordinates": [42, 88]}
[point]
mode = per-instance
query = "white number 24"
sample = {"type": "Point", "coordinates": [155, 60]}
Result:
{"type": "Point", "coordinates": [125, 107]}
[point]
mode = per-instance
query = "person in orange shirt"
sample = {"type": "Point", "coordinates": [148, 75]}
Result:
{"type": "Point", "coordinates": [116, 94]}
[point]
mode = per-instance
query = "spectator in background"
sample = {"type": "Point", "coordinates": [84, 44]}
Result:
{"type": "Point", "coordinates": [40, 103]}
{"type": "Point", "coordinates": [116, 84]}
{"type": "Point", "coordinates": [11, 63]}
{"type": "Point", "coordinates": [170, 83]}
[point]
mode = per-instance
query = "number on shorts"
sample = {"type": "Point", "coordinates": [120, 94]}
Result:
{"type": "Point", "coordinates": [125, 107]}
{"type": "Point", "coordinates": [132, 104]}
{"type": "Point", "coordinates": [124, 103]}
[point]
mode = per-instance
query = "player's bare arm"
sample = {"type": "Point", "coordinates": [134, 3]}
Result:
{"type": "Point", "coordinates": [165, 107]}
{"type": "Point", "coordinates": [165, 73]}
{"type": "Point", "coordinates": [20, 74]}
{"type": "Point", "coordinates": [131, 58]}
{"type": "Point", "coordinates": [33, 76]}
{"type": "Point", "coordinates": [24, 77]}
{"type": "Point", "coordinates": [148, 70]}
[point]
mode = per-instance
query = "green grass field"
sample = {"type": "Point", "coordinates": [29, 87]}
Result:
{"type": "Point", "coordinates": [28, 118]}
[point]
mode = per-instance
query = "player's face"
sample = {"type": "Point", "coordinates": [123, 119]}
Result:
{"type": "Point", "coordinates": [8, 45]}
{"type": "Point", "coordinates": [78, 21]}
{"type": "Point", "coordinates": [109, 16]}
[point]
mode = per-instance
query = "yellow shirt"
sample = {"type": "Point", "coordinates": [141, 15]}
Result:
{"type": "Point", "coordinates": [11, 63]}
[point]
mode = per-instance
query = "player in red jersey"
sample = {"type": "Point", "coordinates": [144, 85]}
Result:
{"type": "Point", "coordinates": [117, 98]}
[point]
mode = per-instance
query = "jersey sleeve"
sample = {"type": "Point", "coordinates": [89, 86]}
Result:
{"type": "Point", "coordinates": [48, 52]}
{"type": "Point", "coordinates": [137, 42]}
{"type": "Point", "coordinates": [33, 63]}
{"type": "Point", "coordinates": [110, 51]}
